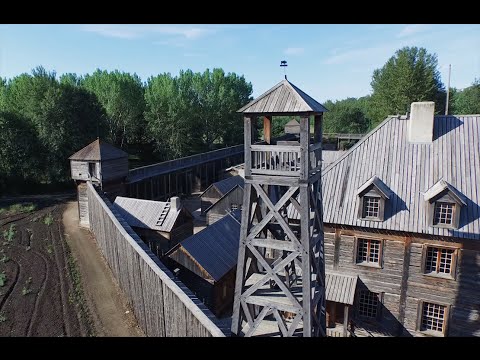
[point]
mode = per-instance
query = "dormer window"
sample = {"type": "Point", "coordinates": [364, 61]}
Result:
{"type": "Point", "coordinates": [372, 196]}
{"type": "Point", "coordinates": [444, 204]}
{"type": "Point", "coordinates": [443, 213]}
{"type": "Point", "coordinates": [371, 207]}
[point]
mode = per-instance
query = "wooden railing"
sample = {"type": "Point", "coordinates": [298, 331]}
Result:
{"type": "Point", "coordinates": [283, 160]}
{"type": "Point", "coordinates": [275, 159]}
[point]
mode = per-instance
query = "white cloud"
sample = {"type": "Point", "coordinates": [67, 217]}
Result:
{"type": "Point", "coordinates": [190, 32]}
{"type": "Point", "coordinates": [294, 51]}
{"type": "Point", "coordinates": [413, 29]}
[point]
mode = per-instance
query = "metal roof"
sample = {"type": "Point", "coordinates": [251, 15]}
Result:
{"type": "Point", "coordinates": [283, 98]}
{"type": "Point", "coordinates": [147, 214]}
{"type": "Point", "coordinates": [226, 185]}
{"type": "Point", "coordinates": [409, 170]}
{"type": "Point", "coordinates": [439, 187]}
{"type": "Point", "coordinates": [381, 187]}
{"type": "Point", "coordinates": [215, 248]}
{"type": "Point", "coordinates": [340, 288]}
{"type": "Point", "coordinates": [330, 156]}
{"type": "Point", "coordinates": [98, 150]}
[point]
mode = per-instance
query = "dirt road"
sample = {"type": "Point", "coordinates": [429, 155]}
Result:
{"type": "Point", "coordinates": [107, 304]}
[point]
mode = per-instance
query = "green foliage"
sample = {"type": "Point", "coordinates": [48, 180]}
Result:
{"type": "Point", "coordinates": [9, 234]}
{"type": "Point", "coordinates": [346, 116]}
{"type": "Point", "coordinates": [3, 279]}
{"type": "Point", "coordinates": [49, 248]}
{"type": "Point", "coordinates": [48, 220]}
{"type": "Point", "coordinates": [3, 317]}
{"type": "Point", "coordinates": [54, 120]}
{"type": "Point", "coordinates": [410, 75]}
{"type": "Point", "coordinates": [192, 112]}
{"type": "Point", "coordinates": [4, 259]}
{"type": "Point", "coordinates": [26, 288]}
{"type": "Point", "coordinates": [121, 95]}
{"type": "Point", "coordinates": [19, 208]}
{"type": "Point", "coordinates": [467, 101]}
{"type": "Point", "coordinates": [19, 150]}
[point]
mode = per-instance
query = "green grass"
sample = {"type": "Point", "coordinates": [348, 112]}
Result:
{"type": "Point", "coordinates": [18, 208]}
{"type": "Point", "coordinates": [76, 296]}
{"type": "Point", "coordinates": [4, 259]}
{"type": "Point", "coordinates": [9, 234]}
{"type": "Point", "coordinates": [48, 220]}
{"type": "Point", "coordinates": [3, 279]}
{"type": "Point", "coordinates": [26, 288]}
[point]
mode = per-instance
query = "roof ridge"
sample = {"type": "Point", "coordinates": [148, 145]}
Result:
{"type": "Point", "coordinates": [361, 141]}
{"type": "Point", "coordinates": [258, 98]}
{"type": "Point", "coordinates": [145, 200]}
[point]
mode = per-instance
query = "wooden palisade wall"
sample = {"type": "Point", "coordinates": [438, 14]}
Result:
{"type": "Point", "coordinates": [162, 305]}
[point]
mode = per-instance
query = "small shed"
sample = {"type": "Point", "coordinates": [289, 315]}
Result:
{"type": "Point", "coordinates": [217, 190]}
{"type": "Point", "coordinates": [161, 225]}
{"type": "Point", "coordinates": [292, 127]}
{"type": "Point", "coordinates": [206, 262]}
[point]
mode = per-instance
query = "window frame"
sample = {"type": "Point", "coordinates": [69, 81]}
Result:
{"type": "Point", "coordinates": [446, 319]}
{"type": "Point", "coordinates": [378, 315]}
{"type": "Point", "coordinates": [444, 197]}
{"type": "Point", "coordinates": [453, 265]}
{"type": "Point", "coordinates": [372, 192]}
{"type": "Point", "coordinates": [378, 265]}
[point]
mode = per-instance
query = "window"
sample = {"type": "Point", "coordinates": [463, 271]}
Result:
{"type": "Point", "coordinates": [368, 304]}
{"type": "Point", "coordinates": [433, 317]}
{"type": "Point", "coordinates": [224, 291]}
{"type": "Point", "coordinates": [233, 206]}
{"type": "Point", "coordinates": [368, 251]}
{"type": "Point", "coordinates": [443, 213]}
{"type": "Point", "coordinates": [92, 170]}
{"type": "Point", "coordinates": [439, 261]}
{"type": "Point", "coordinates": [371, 207]}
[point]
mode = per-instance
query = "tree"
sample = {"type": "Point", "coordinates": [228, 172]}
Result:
{"type": "Point", "coordinates": [65, 118]}
{"type": "Point", "coordinates": [467, 101]}
{"type": "Point", "coordinates": [122, 96]}
{"type": "Point", "coordinates": [346, 116]}
{"type": "Point", "coordinates": [410, 75]}
{"type": "Point", "coordinates": [194, 112]}
{"type": "Point", "coordinates": [71, 79]}
{"type": "Point", "coordinates": [19, 150]}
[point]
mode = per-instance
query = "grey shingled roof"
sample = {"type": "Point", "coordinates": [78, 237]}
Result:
{"type": "Point", "coordinates": [283, 98]}
{"type": "Point", "coordinates": [340, 288]}
{"type": "Point", "coordinates": [215, 248]}
{"type": "Point", "coordinates": [146, 213]}
{"type": "Point", "coordinates": [409, 171]}
{"type": "Point", "coordinates": [98, 150]}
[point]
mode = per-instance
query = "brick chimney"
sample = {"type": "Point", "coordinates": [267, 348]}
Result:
{"type": "Point", "coordinates": [420, 127]}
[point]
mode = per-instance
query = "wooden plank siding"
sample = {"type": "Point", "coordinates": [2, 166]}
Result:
{"type": "Point", "coordinates": [402, 277]}
{"type": "Point", "coordinates": [223, 206]}
{"type": "Point", "coordinates": [162, 304]}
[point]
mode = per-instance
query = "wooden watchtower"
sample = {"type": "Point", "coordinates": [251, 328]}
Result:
{"type": "Point", "coordinates": [280, 280]}
{"type": "Point", "coordinates": [102, 164]}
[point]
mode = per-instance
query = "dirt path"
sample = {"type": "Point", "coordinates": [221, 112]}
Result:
{"type": "Point", "coordinates": [108, 306]}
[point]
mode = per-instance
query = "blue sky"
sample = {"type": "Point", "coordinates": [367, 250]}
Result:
{"type": "Point", "coordinates": [327, 61]}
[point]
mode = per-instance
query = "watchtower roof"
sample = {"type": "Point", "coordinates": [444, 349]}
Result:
{"type": "Point", "coordinates": [98, 150]}
{"type": "Point", "coordinates": [283, 98]}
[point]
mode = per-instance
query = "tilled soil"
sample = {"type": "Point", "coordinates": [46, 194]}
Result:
{"type": "Point", "coordinates": [42, 293]}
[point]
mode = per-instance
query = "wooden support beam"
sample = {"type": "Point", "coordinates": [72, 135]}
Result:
{"type": "Point", "coordinates": [267, 129]}
{"type": "Point", "coordinates": [247, 131]}
{"type": "Point", "coordinates": [345, 320]}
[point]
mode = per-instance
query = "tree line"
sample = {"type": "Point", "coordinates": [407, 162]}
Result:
{"type": "Point", "coordinates": [410, 75]}
{"type": "Point", "coordinates": [44, 118]}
